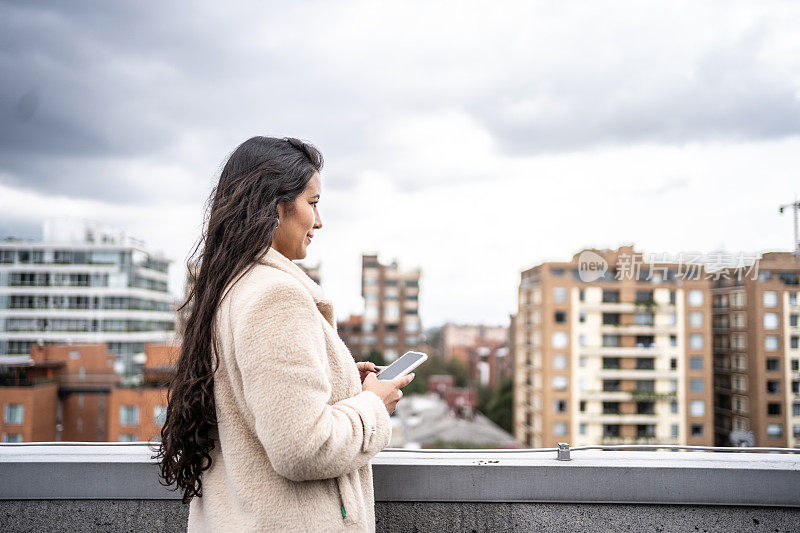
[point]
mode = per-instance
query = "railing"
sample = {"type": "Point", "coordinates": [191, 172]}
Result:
{"type": "Point", "coordinates": [79, 486]}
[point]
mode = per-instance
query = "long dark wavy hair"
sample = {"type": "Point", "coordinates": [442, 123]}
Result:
{"type": "Point", "coordinates": [241, 216]}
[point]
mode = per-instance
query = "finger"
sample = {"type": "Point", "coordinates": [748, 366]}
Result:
{"type": "Point", "coordinates": [402, 381]}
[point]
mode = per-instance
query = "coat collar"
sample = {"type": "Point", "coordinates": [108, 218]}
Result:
{"type": "Point", "coordinates": [277, 260]}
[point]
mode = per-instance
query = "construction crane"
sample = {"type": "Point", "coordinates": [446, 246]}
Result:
{"type": "Point", "coordinates": [795, 206]}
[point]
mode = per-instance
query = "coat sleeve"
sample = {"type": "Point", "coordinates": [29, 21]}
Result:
{"type": "Point", "coordinates": [279, 346]}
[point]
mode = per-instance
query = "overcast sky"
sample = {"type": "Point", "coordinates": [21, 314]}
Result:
{"type": "Point", "coordinates": [470, 139]}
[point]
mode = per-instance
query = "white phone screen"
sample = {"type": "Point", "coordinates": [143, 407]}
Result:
{"type": "Point", "coordinates": [401, 365]}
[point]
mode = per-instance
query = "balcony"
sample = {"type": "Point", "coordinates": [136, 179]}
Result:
{"type": "Point", "coordinates": [114, 488]}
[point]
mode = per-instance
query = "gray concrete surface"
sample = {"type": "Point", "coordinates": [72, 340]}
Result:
{"type": "Point", "coordinates": [395, 517]}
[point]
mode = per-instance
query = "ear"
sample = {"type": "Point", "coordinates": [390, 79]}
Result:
{"type": "Point", "coordinates": [281, 210]}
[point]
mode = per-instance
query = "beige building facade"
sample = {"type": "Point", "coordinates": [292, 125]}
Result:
{"type": "Point", "coordinates": [391, 323]}
{"type": "Point", "coordinates": [611, 349]}
{"type": "Point", "coordinates": [757, 358]}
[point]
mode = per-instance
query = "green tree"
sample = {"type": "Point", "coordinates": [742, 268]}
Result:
{"type": "Point", "coordinates": [497, 404]}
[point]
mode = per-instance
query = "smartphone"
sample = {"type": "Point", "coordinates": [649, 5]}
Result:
{"type": "Point", "coordinates": [403, 365]}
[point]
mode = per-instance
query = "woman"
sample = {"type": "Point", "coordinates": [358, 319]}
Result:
{"type": "Point", "coordinates": [270, 423]}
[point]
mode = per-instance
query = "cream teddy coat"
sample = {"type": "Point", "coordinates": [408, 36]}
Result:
{"type": "Point", "coordinates": [295, 431]}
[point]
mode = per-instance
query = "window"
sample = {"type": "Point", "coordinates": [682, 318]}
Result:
{"type": "Point", "coordinates": [610, 430]}
{"type": "Point", "coordinates": [582, 317]}
{"type": "Point", "coordinates": [12, 437]}
{"type": "Point", "coordinates": [610, 363]}
{"type": "Point", "coordinates": [796, 409]}
{"type": "Point", "coordinates": [793, 320]}
{"type": "Point", "coordinates": [610, 296]}
{"type": "Point", "coordinates": [739, 383]}
{"type": "Point", "coordinates": [14, 414]}
{"type": "Point", "coordinates": [559, 428]}
{"type": "Point", "coordinates": [696, 341]}
{"type": "Point", "coordinates": [129, 415]}
{"type": "Point", "coordinates": [582, 361]}
{"type": "Point", "coordinates": [794, 342]}
{"type": "Point", "coordinates": [611, 340]}
{"type": "Point", "coordinates": [610, 408]}
{"type": "Point", "coordinates": [696, 319]}
{"type": "Point", "coordinates": [795, 365]}
{"type": "Point", "coordinates": [770, 320]}
{"type": "Point", "coordinates": [773, 409]}
{"type": "Point", "coordinates": [611, 385]}
{"type": "Point", "coordinates": [673, 340]}
{"type": "Point", "coordinates": [560, 382]}
{"type": "Point", "coordinates": [159, 415]}
{"type": "Point", "coordinates": [696, 385]}
{"type": "Point", "coordinates": [697, 408]}
{"type": "Point", "coordinates": [648, 385]}
{"type": "Point", "coordinates": [672, 297]}
{"type": "Point", "coordinates": [673, 407]}
{"type": "Point", "coordinates": [645, 341]}
{"type": "Point", "coordinates": [582, 406]}
{"type": "Point", "coordinates": [560, 339]}
{"type": "Point", "coordinates": [738, 341]}
{"type": "Point", "coordinates": [696, 363]}
{"type": "Point", "coordinates": [774, 431]}
{"type": "Point", "coordinates": [560, 406]}
{"type": "Point", "coordinates": [740, 404]}
{"type": "Point", "coordinates": [644, 297]}
{"type": "Point", "coordinates": [796, 387]}
{"type": "Point", "coordinates": [770, 298]}
{"type": "Point", "coordinates": [559, 361]}
{"type": "Point", "coordinates": [559, 294]}
{"type": "Point", "coordinates": [582, 428]}
{"type": "Point", "coordinates": [127, 437]}
{"type": "Point", "coordinates": [771, 343]}
{"type": "Point", "coordinates": [674, 430]}
{"type": "Point", "coordinates": [610, 319]}
{"type": "Point", "coordinates": [773, 363]}
{"type": "Point", "coordinates": [697, 430]}
{"type": "Point", "coordinates": [673, 363]}
{"type": "Point", "coordinates": [645, 408]}
{"type": "Point", "coordinates": [695, 298]}
{"type": "Point", "coordinates": [643, 319]}
{"type": "Point", "coordinates": [644, 431]}
{"type": "Point", "coordinates": [773, 386]}
{"type": "Point", "coordinates": [645, 363]}
{"type": "Point", "coordinates": [560, 317]}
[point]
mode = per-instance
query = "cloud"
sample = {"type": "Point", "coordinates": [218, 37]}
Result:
{"type": "Point", "coordinates": [452, 132]}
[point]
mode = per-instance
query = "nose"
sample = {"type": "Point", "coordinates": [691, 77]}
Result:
{"type": "Point", "coordinates": [317, 221]}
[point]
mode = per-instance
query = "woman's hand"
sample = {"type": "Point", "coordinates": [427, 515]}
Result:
{"type": "Point", "coordinates": [365, 368]}
{"type": "Point", "coordinates": [387, 390]}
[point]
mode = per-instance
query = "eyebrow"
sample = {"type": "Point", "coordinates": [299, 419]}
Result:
{"type": "Point", "coordinates": [315, 196]}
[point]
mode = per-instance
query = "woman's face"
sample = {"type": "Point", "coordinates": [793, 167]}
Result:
{"type": "Point", "coordinates": [297, 224]}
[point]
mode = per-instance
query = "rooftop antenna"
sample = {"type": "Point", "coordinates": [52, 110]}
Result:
{"type": "Point", "coordinates": [795, 206]}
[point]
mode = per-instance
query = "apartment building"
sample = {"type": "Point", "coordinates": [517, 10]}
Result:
{"type": "Point", "coordinates": [58, 393]}
{"type": "Point", "coordinates": [456, 336]}
{"type": "Point", "coordinates": [351, 331]}
{"type": "Point", "coordinates": [71, 393]}
{"type": "Point", "coordinates": [391, 323]}
{"type": "Point", "coordinates": [84, 283]}
{"type": "Point", "coordinates": [609, 348]}
{"type": "Point", "coordinates": [756, 356]}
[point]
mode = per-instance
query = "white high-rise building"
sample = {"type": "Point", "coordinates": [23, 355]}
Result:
{"type": "Point", "coordinates": [84, 283]}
